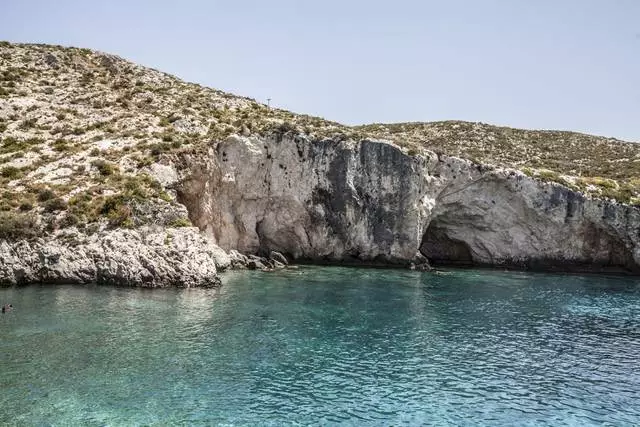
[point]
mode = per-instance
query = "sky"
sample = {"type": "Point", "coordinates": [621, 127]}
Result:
{"type": "Point", "coordinates": [542, 64]}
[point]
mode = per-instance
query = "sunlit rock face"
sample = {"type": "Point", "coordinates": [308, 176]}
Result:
{"type": "Point", "coordinates": [371, 202]}
{"type": "Point", "coordinates": [145, 257]}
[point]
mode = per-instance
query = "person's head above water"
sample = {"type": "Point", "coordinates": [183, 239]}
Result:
{"type": "Point", "coordinates": [6, 307]}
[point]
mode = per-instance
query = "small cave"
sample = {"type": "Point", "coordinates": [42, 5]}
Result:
{"type": "Point", "coordinates": [440, 248]}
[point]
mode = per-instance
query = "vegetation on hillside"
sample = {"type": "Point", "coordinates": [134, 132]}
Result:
{"type": "Point", "coordinates": [80, 131]}
{"type": "Point", "coordinates": [600, 166]}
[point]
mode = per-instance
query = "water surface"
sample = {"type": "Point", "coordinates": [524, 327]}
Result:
{"type": "Point", "coordinates": [327, 345]}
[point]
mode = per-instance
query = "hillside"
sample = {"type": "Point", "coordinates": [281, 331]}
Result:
{"type": "Point", "coordinates": [84, 136]}
{"type": "Point", "coordinates": [568, 153]}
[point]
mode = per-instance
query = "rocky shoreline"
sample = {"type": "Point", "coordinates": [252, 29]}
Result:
{"type": "Point", "coordinates": [144, 257]}
{"type": "Point", "coordinates": [342, 203]}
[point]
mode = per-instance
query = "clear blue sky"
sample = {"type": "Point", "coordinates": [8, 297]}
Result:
{"type": "Point", "coordinates": [563, 64]}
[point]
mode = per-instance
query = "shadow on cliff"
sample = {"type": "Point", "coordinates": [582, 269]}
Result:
{"type": "Point", "coordinates": [440, 248]}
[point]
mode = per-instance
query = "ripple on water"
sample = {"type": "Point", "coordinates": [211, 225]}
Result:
{"type": "Point", "coordinates": [327, 346]}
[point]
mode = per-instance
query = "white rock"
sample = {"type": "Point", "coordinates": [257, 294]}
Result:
{"type": "Point", "coordinates": [165, 174]}
{"type": "Point", "coordinates": [370, 201]}
{"type": "Point", "coordinates": [144, 257]}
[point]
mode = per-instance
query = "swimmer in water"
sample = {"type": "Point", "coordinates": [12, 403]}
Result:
{"type": "Point", "coordinates": [7, 307]}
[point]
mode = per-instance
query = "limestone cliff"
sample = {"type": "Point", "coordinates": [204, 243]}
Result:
{"type": "Point", "coordinates": [369, 201]}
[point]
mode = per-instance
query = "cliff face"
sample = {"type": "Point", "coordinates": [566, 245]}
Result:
{"type": "Point", "coordinates": [370, 202]}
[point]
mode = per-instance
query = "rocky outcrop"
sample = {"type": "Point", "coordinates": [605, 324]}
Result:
{"type": "Point", "coordinates": [371, 202]}
{"type": "Point", "coordinates": [146, 257]}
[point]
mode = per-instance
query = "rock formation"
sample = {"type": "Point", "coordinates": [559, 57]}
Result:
{"type": "Point", "coordinates": [143, 257]}
{"type": "Point", "coordinates": [371, 202]}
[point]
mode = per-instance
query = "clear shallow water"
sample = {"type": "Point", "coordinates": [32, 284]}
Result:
{"type": "Point", "coordinates": [323, 345]}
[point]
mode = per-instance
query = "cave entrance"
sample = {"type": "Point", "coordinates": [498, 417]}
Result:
{"type": "Point", "coordinates": [440, 248]}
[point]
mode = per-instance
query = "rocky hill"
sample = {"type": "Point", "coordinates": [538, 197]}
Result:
{"type": "Point", "coordinates": [83, 133]}
{"type": "Point", "coordinates": [91, 144]}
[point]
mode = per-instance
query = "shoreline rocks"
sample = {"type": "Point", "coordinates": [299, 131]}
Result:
{"type": "Point", "coordinates": [144, 257]}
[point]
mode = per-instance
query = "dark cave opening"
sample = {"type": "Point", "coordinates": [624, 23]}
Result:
{"type": "Point", "coordinates": [440, 248]}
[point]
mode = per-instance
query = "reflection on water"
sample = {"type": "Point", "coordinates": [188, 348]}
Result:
{"type": "Point", "coordinates": [327, 345]}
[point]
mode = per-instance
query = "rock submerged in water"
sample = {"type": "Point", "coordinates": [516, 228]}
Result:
{"type": "Point", "coordinates": [420, 263]}
{"type": "Point", "coordinates": [276, 261]}
{"type": "Point", "coordinates": [278, 258]}
{"type": "Point", "coordinates": [255, 262]}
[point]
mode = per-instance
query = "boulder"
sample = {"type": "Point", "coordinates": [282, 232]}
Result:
{"type": "Point", "coordinates": [277, 256]}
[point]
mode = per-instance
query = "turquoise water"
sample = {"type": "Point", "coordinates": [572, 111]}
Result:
{"type": "Point", "coordinates": [321, 345]}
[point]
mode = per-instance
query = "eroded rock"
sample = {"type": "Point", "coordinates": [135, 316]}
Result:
{"type": "Point", "coordinates": [147, 257]}
{"type": "Point", "coordinates": [278, 257]}
{"type": "Point", "coordinates": [337, 201]}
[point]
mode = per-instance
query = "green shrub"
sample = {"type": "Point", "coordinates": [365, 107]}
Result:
{"type": "Point", "coordinates": [10, 144]}
{"type": "Point", "coordinates": [17, 225]}
{"type": "Point", "coordinates": [11, 172]}
{"type": "Point", "coordinates": [163, 195]}
{"type": "Point", "coordinates": [180, 222]}
{"type": "Point", "coordinates": [105, 168]}
{"type": "Point", "coordinates": [26, 206]}
{"type": "Point", "coordinates": [142, 162]}
{"type": "Point", "coordinates": [548, 175]}
{"type": "Point", "coordinates": [157, 149]}
{"type": "Point", "coordinates": [112, 203]}
{"type": "Point", "coordinates": [55, 205]}
{"type": "Point", "coordinates": [135, 188]}
{"type": "Point", "coordinates": [117, 210]}
{"type": "Point", "coordinates": [45, 194]}
{"type": "Point", "coordinates": [528, 171]}
{"type": "Point", "coordinates": [624, 194]}
{"type": "Point", "coordinates": [285, 127]}
{"type": "Point", "coordinates": [61, 145]}
{"type": "Point", "coordinates": [70, 220]}
{"type": "Point", "coordinates": [599, 182]}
